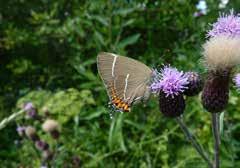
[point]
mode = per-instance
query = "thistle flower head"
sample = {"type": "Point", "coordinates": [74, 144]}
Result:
{"type": "Point", "coordinates": [221, 52]}
{"type": "Point", "coordinates": [50, 125]}
{"type": "Point", "coordinates": [227, 25]}
{"type": "Point", "coordinates": [21, 130]}
{"type": "Point", "coordinates": [236, 80]}
{"type": "Point", "coordinates": [170, 81]}
{"type": "Point", "coordinates": [28, 106]}
{"type": "Point", "coordinates": [41, 145]}
{"type": "Point", "coordinates": [30, 110]}
{"type": "Point", "coordinates": [31, 133]}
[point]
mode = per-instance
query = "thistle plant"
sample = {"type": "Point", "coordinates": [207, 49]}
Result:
{"type": "Point", "coordinates": [32, 126]}
{"type": "Point", "coordinates": [171, 84]}
{"type": "Point", "coordinates": [30, 132]}
{"type": "Point", "coordinates": [221, 53]}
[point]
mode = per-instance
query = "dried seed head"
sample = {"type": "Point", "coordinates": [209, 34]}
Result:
{"type": "Point", "coordinates": [31, 133]}
{"type": "Point", "coordinates": [50, 125]}
{"type": "Point", "coordinates": [221, 52]}
{"type": "Point", "coordinates": [195, 84]}
{"type": "Point", "coordinates": [171, 106]}
{"type": "Point", "coordinates": [216, 91]}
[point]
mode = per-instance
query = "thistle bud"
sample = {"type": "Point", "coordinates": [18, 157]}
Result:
{"type": "Point", "coordinates": [195, 84]}
{"type": "Point", "coordinates": [41, 145]}
{"type": "Point", "coordinates": [31, 133]}
{"type": "Point", "coordinates": [52, 127]}
{"type": "Point", "coordinates": [216, 91]}
{"type": "Point", "coordinates": [171, 106]}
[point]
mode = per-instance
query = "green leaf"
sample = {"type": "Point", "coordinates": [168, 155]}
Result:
{"type": "Point", "coordinates": [128, 41]}
{"type": "Point", "coordinates": [99, 38]}
{"type": "Point", "coordinates": [101, 20]}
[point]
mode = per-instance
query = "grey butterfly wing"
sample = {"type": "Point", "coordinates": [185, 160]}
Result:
{"type": "Point", "coordinates": [129, 77]}
{"type": "Point", "coordinates": [105, 63]}
{"type": "Point", "coordinates": [132, 90]}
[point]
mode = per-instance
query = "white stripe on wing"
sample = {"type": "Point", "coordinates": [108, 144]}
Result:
{"type": "Point", "coordinates": [125, 88]}
{"type": "Point", "coordinates": [114, 63]}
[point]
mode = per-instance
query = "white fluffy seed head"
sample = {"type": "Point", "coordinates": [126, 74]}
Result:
{"type": "Point", "coordinates": [30, 131]}
{"type": "Point", "coordinates": [50, 125]}
{"type": "Point", "coordinates": [221, 52]}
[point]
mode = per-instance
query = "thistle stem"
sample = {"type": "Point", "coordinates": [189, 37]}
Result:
{"type": "Point", "coordinates": [7, 120]}
{"type": "Point", "coordinates": [217, 141]}
{"type": "Point", "coordinates": [192, 139]}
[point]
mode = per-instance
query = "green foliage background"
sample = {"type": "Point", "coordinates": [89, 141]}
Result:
{"type": "Point", "coordinates": [48, 55]}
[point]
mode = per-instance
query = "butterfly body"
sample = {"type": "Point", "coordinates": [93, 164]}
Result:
{"type": "Point", "coordinates": [125, 79]}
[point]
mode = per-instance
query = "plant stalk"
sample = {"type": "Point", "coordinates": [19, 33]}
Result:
{"type": "Point", "coordinates": [12, 117]}
{"type": "Point", "coordinates": [192, 139]}
{"type": "Point", "coordinates": [217, 141]}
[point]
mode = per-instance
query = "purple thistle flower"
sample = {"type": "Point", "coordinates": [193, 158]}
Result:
{"type": "Point", "coordinates": [41, 145]}
{"type": "Point", "coordinates": [31, 111]}
{"type": "Point", "coordinates": [28, 106]}
{"type": "Point", "coordinates": [170, 81]}
{"type": "Point", "coordinates": [236, 80]}
{"type": "Point", "coordinates": [20, 130]}
{"type": "Point", "coordinates": [227, 25]}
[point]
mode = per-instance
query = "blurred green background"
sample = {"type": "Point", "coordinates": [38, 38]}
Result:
{"type": "Point", "coordinates": [48, 55]}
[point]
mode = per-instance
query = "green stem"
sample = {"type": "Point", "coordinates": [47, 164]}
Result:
{"type": "Point", "coordinates": [193, 141]}
{"type": "Point", "coordinates": [12, 117]}
{"type": "Point", "coordinates": [217, 141]}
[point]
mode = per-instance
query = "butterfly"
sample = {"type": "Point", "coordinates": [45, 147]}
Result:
{"type": "Point", "coordinates": [126, 80]}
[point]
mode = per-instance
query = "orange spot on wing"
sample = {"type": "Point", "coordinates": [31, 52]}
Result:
{"type": "Point", "coordinates": [119, 105]}
{"type": "Point", "coordinates": [126, 108]}
{"type": "Point", "coordinates": [118, 102]}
